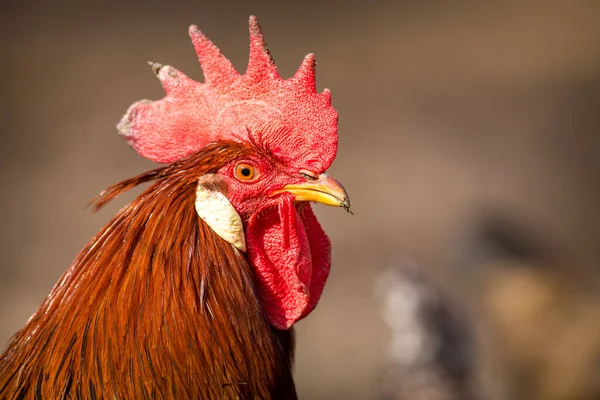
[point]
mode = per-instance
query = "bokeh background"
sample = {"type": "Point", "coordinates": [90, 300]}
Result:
{"type": "Point", "coordinates": [448, 110]}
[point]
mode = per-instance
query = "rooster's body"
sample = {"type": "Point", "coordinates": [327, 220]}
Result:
{"type": "Point", "coordinates": [191, 291]}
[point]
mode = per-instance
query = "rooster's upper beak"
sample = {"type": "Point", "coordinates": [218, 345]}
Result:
{"type": "Point", "coordinates": [324, 190]}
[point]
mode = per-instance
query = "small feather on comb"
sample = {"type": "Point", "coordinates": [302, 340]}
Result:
{"type": "Point", "coordinates": [297, 124]}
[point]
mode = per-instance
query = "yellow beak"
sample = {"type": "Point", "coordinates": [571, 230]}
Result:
{"type": "Point", "coordinates": [324, 189]}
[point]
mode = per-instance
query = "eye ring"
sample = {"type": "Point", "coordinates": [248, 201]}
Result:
{"type": "Point", "coordinates": [245, 172]}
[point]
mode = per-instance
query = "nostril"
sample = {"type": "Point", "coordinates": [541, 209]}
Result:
{"type": "Point", "coordinates": [308, 174]}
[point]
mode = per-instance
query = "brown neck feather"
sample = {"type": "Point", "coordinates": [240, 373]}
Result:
{"type": "Point", "coordinates": [156, 305]}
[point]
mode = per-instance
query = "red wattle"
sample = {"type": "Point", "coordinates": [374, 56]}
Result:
{"type": "Point", "coordinates": [291, 255]}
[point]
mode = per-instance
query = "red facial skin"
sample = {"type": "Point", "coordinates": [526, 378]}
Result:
{"type": "Point", "coordinates": [290, 252]}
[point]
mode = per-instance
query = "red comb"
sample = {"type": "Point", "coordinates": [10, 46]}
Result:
{"type": "Point", "coordinates": [296, 124]}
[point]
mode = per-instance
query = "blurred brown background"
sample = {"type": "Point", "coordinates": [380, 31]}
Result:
{"type": "Point", "coordinates": [446, 109]}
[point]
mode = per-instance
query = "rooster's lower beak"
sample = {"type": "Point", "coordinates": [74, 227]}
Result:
{"type": "Point", "coordinates": [324, 190]}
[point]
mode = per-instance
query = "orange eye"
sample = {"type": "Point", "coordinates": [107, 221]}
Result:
{"type": "Point", "coordinates": [244, 172]}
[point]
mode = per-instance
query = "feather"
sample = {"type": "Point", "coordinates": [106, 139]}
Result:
{"type": "Point", "coordinates": [156, 305]}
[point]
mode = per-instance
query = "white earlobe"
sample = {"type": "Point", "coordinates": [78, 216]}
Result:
{"type": "Point", "coordinates": [216, 210]}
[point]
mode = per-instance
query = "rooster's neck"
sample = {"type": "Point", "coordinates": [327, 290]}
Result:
{"type": "Point", "coordinates": [155, 305]}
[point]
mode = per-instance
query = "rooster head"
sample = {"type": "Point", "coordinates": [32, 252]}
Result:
{"type": "Point", "coordinates": [259, 202]}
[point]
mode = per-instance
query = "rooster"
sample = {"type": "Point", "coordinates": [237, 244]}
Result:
{"type": "Point", "coordinates": [192, 290]}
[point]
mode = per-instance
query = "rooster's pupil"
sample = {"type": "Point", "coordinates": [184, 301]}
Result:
{"type": "Point", "coordinates": [246, 171]}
